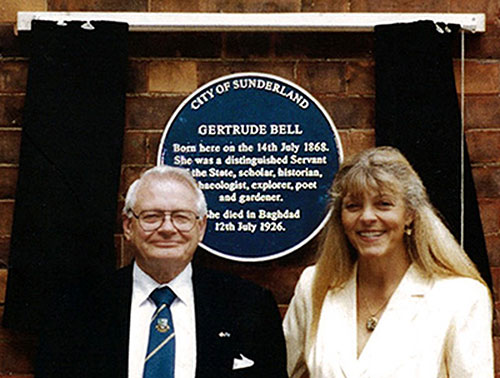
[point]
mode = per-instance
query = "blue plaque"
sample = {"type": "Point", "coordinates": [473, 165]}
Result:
{"type": "Point", "coordinates": [264, 152]}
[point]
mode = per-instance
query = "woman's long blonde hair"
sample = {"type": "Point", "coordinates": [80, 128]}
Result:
{"type": "Point", "coordinates": [431, 245]}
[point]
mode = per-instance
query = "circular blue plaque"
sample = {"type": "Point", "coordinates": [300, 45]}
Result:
{"type": "Point", "coordinates": [264, 152]}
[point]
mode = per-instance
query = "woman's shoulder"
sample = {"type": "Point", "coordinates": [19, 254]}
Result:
{"type": "Point", "coordinates": [461, 288]}
{"type": "Point", "coordinates": [307, 276]}
{"type": "Point", "coordinates": [303, 287]}
{"type": "Point", "coordinates": [459, 282]}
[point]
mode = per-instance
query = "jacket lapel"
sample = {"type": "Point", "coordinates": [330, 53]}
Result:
{"type": "Point", "coordinates": [388, 346]}
{"type": "Point", "coordinates": [390, 343]}
{"type": "Point", "coordinates": [337, 333]}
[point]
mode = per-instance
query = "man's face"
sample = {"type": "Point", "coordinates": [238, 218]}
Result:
{"type": "Point", "coordinates": [165, 246]}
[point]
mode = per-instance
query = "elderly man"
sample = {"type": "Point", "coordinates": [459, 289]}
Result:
{"type": "Point", "coordinates": [164, 317]}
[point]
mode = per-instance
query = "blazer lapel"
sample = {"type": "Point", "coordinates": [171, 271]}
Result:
{"type": "Point", "coordinates": [337, 333]}
{"type": "Point", "coordinates": [389, 344]}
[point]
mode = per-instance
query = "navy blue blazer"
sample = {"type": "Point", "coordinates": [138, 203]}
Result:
{"type": "Point", "coordinates": [223, 303]}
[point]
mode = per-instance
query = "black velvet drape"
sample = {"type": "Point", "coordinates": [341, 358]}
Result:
{"type": "Point", "coordinates": [69, 170]}
{"type": "Point", "coordinates": [417, 111]}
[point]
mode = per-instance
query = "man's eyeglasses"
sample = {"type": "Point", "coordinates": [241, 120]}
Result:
{"type": "Point", "coordinates": [151, 220]}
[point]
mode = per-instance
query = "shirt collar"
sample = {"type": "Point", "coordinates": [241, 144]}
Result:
{"type": "Point", "coordinates": [144, 284]}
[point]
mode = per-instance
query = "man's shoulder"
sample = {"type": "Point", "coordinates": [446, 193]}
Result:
{"type": "Point", "coordinates": [222, 284]}
{"type": "Point", "coordinates": [218, 277]}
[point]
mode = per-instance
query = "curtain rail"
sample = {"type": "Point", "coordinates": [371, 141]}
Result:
{"type": "Point", "coordinates": [255, 22]}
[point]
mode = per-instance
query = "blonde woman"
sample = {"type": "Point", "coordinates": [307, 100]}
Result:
{"type": "Point", "coordinates": [392, 294]}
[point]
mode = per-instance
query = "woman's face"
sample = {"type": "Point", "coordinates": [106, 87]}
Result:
{"type": "Point", "coordinates": [374, 223]}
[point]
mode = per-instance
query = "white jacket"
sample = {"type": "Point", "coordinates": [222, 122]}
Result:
{"type": "Point", "coordinates": [432, 328]}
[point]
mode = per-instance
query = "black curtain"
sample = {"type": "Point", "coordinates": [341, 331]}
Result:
{"type": "Point", "coordinates": [69, 170]}
{"type": "Point", "coordinates": [417, 111]}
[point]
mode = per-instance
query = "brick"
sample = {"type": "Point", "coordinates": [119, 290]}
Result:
{"type": "Point", "coordinates": [483, 46]}
{"type": "Point", "coordinates": [137, 76]}
{"type": "Point", "coordinates": [17, 357]}
{"type": "Point", "coordinates": [98, 5]}
{"type": "Point", "coordinates": [490, 7]}
{"type": "Point", "coordinates": [226, 6]}
{"type": "Point", "coordinates": [495, 276]}
{"type": "Point", "coordinates": [173, 77]}
{"type": "Point", "coordinates": [399, 6]}
{"type": "Point", "coordinates": [153, 146]}
{"type": "Point", "coordinates": [282, 309]}
{"type": "Point", "coordinates": [208, 71]}
{"type": "Point", "coordinates": [13, 76]}
{"type": "Point", "coordinates": [9, 8]}
{"type": "Point", "coordinates": [360, 77]}
{"type": "Point", "coordinates": [10, 144]}
{"type": "Point", "coordinates": [119, 228]}
{"type": "Point", "coordinates": [371, 6]}
{"type": "Point", "coordinates": [325, 6]}
{"type": "Point", "coordinates": [318, 45]}
{"type": "Point", "coordinates": [493, 247]}
{"type": "Point", "coordinates": [150, 112]}
{"type": "Point", "coordinates": [248, 45]}
{"type": "Point", "coordinates": [8, 182]}
{"type": "Point", "coordinates": [280, 280]}
{"type": "Point", "coordinates": [10, 44]}
{"type": "Point", "coordinates": [128, 253]}
{"type": "Point", "coordinates": [480, 77]}
{"type": "Point", "coordinates": [303, 257]}
{"type": "Point", "coordinates": [128, 176]}
{"type": "Point", "coordinates": [4, 251]}
{"type": "Point", "coordinates": [496, 322]}
{"type": "Point", "coordinates": [11, 108]}
{"type": "Point", "coordinates": [3, 285]}
{"type": "Point", "coordinates": [482, 112]}
{"type": "Point", "coordinates": [496, 350]}
{"type": "Point", "coordinates": [350, 112]}
{"type": "Point", "coordinates": [484, 146]}
{"type": "Point", "coordinates": [490, 214]}
{"type": "Point", "coordinates": [487, 181]}
{"type": "Point", "coordinates": [176, 5]}
{"type": "Point", "coordinates": [7, 211]}
{"type": "Point", "coordinates": [250, 6]}
{"type": "Point", "coordinates": [354, 141]}
{"type": "Point", "coordinates": [18, 352]}
{"type": "Point", "coordinates": [119, 220]}
{"type": "Point", "coordinates": [134, 148]}
{"type": "Point", "coordinates": [322, 77]}
{"type": "Point", "coordinates": [178, 45]}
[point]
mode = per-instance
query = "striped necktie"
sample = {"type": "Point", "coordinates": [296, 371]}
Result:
{"type": "Point", "coordinates": [160, 357]}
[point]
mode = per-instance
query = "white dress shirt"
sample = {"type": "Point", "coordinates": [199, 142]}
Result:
{"type": "Point", "coordinates": [141, 312]}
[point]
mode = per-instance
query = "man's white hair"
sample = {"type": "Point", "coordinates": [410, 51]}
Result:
{"type": "Point", "coordinates": [166, 173]}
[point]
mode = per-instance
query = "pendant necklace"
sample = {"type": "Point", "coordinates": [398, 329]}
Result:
{"type": "Point", "coordinates": [372, 320]}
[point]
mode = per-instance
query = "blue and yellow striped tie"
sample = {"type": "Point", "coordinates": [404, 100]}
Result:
{"type": "Point", "coordinates": [160, 358]}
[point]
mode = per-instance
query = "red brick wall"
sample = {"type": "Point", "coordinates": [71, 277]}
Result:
{"type": "Point", "coordinates": [337, 68]}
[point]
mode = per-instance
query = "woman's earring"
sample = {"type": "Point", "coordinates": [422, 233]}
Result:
{"type": "Point", "coordinates": [408, 230]}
